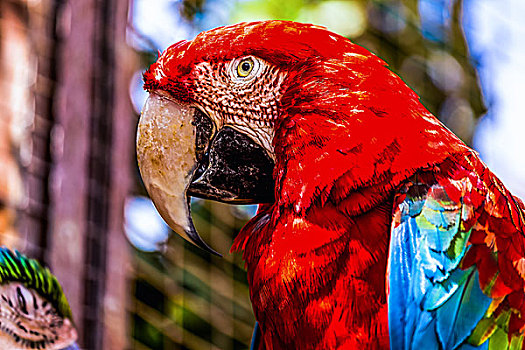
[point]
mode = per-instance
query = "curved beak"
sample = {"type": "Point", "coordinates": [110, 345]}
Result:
{"type": "Point", "coordinates": [166, 154]}
{"type": "Point", "coordinates": [181, 153]}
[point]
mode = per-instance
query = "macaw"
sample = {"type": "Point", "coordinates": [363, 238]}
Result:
{"type": "Point", "coordinates": [34, 313]}
{"type": "Point", "coordinates": [377, 227]}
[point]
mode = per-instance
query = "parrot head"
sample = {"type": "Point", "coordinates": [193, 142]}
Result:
{"type": "Point", "coordinates": [247, 114]}
{"type": "Point", "coordinates": [35, 312]}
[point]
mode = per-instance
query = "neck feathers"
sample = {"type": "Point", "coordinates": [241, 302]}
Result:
{"type": "Point", "coordinates": [352, 126]}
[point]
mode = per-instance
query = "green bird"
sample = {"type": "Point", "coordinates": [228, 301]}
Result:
{"type": "Point", "coordinates": [34, 312]}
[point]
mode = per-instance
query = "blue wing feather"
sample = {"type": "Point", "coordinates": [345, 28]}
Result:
{"type": "Point", "coordinates": [433, 303]}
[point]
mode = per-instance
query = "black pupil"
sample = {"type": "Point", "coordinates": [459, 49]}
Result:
{"type": "Point", "coordinates": [246, 66]}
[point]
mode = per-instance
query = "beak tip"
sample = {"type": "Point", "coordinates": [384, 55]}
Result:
{"type": "Point", "coordinates": [199, 242]}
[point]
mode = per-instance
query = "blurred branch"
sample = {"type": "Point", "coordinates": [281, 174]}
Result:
{"type": "Point", "coordinates": [461, 53]}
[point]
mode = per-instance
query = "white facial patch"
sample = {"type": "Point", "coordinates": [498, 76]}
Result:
{"type": "Point", "coordinates": [248, 104]}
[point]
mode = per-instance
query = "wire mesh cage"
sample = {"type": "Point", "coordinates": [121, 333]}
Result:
{"type": "Point", "coordinates": [189, 299]}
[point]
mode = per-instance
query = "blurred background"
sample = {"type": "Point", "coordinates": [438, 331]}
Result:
{"type": "Point", "coordinates": [70, 192]}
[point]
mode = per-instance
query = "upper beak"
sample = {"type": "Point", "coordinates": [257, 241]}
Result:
{"type": "Point", "coordinates": [166, 154]}
{"type": "Point", "coordinates": [180, 153]}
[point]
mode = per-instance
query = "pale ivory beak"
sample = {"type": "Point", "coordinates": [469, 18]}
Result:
{"type": "Point", "coordinates": [167, 162]}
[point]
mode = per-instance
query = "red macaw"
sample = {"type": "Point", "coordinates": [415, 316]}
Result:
{"type": "Point", "coordinates": [377, 226]}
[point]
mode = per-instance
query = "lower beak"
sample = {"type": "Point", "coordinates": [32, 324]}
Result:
{"type": "Point", "coordinates": [166, 154]}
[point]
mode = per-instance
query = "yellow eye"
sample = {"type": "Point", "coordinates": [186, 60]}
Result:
{"type": "Point", "coordinates": [245, 67]}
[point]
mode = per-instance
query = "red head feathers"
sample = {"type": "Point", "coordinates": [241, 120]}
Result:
{"type": "Point", "coordinates": [332, 96]}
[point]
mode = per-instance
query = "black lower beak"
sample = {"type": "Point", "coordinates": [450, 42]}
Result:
{"type": "Point", "coordinates": [237, 170]}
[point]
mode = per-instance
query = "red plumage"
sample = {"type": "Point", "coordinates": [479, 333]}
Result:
{"type": "Point", "coordinates": [349, 135]}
